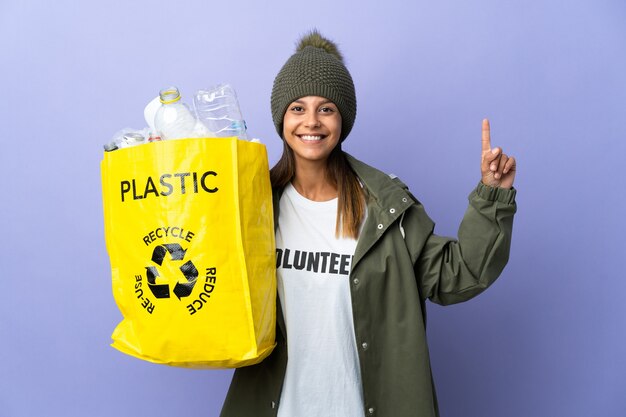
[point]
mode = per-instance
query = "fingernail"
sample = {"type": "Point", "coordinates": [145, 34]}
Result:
{"type": "Point", "coordinates": [494, 151]}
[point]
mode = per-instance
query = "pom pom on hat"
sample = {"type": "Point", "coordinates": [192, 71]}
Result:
{"type": "Point", "coordinates": [316, 40]}
{"type": "Point", "coordinates": [316, 69]}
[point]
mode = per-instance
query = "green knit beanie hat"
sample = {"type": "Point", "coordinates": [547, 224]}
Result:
{"type": "Point", "coordinates": [316, 69]}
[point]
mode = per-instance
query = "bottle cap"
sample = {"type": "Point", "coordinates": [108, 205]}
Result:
{"type": "Point", "coordinates": [111, 146]}
{"type": "Point", "coordinates": [154, 136]}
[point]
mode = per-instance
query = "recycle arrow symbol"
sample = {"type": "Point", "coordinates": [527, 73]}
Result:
{"type": "Point", "coordinates": [159, 290]}
{"type": "Point", "coordinates": [191, 273]}
{"type": "Point", "coordinates": [177, 253]}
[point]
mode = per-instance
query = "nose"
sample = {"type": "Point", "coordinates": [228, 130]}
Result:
{"type": "Point", "coordinates": [312, 120]}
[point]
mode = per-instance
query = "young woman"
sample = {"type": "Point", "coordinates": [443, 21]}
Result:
{"type": "Point", "coordinates": [357, 259]}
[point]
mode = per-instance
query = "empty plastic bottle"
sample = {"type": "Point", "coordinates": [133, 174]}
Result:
{"type": "Point", "coordinates": [174, 119]}
{"type": "Point", "coordinates": [125, 138]}
{"type": "Point", "coordinates": [218, 109]}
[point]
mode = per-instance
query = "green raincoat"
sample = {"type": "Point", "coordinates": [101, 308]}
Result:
{"type": "Point", "coordinates": [398, 264]}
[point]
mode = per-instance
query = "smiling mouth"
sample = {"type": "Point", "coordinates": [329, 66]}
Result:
{"type": "Point", "coordinates": [312, 138]}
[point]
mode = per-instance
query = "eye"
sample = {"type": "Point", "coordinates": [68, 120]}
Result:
{"type": "Point", "coordinates": [296, 109]}
{"type": "Point", "coordinates": [327, 109]}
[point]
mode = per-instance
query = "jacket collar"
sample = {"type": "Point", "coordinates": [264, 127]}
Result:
{"type": "Point", "coordinates": [386, 190]}
{"type": "Point", "coordinates": [388, 199]}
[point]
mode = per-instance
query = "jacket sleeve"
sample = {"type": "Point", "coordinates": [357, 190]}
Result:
{"type": "Point", "coordinates": [452, 271]}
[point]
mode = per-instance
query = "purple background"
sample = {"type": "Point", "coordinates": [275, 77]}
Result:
{"type": "Point", "coordinates": [546, 340]}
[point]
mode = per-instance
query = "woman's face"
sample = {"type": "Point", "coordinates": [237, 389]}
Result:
{"type": "Point", "coordinates": [312, 128]}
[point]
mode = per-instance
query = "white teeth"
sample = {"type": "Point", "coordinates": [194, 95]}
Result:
{"type": "Point", "coordinates": [310, 137]}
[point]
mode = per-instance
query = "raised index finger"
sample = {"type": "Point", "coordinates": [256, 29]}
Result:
{"type": "Point", "coordinates": [486, 136]}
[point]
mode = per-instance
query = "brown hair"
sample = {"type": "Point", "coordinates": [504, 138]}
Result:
{"type": "Point", "coordinates": [351, 201]}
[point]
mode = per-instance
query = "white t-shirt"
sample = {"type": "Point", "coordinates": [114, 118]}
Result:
{"type": "Point", "coordinates": [323, 376]}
